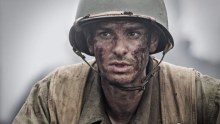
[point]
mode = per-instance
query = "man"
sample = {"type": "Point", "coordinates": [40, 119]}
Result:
{"type": "Point", "coordinates": [125, 84]}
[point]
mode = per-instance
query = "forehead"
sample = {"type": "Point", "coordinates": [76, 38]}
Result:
{"type": "Point", "coordinates": [120, 24]}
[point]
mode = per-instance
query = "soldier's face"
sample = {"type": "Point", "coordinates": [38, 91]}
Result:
{"type": "Point", "coordinates": [121, 50]}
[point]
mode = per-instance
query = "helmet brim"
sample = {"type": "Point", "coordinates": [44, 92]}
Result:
{"type": "Point", "coordinates": [79, 43]}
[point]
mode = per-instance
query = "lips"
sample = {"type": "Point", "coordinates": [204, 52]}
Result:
{"type": "Point", "coordinates": [120, 66]}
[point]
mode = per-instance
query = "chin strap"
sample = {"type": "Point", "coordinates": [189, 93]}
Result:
{"type": "Point", "coordinates": [79, 53]}
{"type": "Point", "coordinates": [127, 87]}
{"type": "Point", "coordinates": [142, 86]}
{"type": "Point", "coordinates": [130, 87]}
{"type": "Point", "coordinates": [144, 82]}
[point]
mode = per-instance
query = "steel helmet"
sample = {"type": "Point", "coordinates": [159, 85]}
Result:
{"type": "Point", "coordinates": [151, 11]}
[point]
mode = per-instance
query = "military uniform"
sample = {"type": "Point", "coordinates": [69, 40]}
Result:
{"type": "Point", "coordinates": [72, 95]}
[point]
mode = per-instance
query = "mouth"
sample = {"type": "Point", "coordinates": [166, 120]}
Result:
{"type": "Point", "coordinates": [119, 66]}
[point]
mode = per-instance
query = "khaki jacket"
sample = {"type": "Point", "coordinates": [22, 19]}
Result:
{"type": "Point", "coordinates": [187, 97]}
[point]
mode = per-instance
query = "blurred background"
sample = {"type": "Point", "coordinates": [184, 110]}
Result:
{"type": "Point", "coordinates": [34, 41]}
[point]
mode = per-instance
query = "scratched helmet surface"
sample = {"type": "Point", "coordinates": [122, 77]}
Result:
{"type": "Point", "coordinates": [151, 11]}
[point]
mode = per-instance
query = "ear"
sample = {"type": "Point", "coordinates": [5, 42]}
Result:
{"type": "Point", "coordinates": [90, 46]}
{"type": "Point", "coordinates": [89, 41]}
{"type": "Point", "coordinates": [153, 42]}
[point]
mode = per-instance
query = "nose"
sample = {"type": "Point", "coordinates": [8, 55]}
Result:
{"type": "Point", "coordinates": [120, 47]}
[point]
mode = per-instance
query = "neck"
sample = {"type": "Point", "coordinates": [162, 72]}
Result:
{"type": "Point", "coordinates": [121, 105]}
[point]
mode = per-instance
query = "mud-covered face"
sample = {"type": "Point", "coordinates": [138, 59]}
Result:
{"type": "Point", "coordinates": [121, 49]}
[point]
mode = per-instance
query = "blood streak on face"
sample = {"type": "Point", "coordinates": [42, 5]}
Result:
{"type": "Point", "coordinates": [121, 50]}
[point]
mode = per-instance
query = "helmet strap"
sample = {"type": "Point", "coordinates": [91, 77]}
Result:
{"type": "Point", "coordinates": [128, 87]}
{"type": "Point", "coordinates": [79, 53]}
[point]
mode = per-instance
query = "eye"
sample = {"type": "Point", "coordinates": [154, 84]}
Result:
{"type": "Point", "coordinates": [105, 35]}
{"type": "Point", "coordinates": [133, 34]}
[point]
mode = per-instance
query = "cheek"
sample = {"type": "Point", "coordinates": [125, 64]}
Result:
{"type": "Point", "coordinates": [140, 54]}
{"type": "Point", "coordinates": [101, 51]}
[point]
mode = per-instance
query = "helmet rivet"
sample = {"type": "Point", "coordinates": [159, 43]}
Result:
{"type": "Point", "coordinates": [128, 13]}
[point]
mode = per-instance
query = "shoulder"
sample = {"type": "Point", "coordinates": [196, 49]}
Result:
{"type": "Point", "coordinates": [171, 67]}
{"type": "Point", "coordinates": [208, 80]}
{"type": "Point", "coordinates": [209, 86]}
{"type": "Point", "coordinates": [72, 71]}
{"type": "Point", "coordinates": [69, 72]}
{"type": "Point", "coordinates": [62, 77]}
{"type": "Point", "coordinates": [76, 68]}
{"type": "Point", "coordinates": [69, 77]}
{"type": "Point", "coordinates": [61, 88]}
{"type": "Point", "coordinates": [208, 97]}
{"type": "Point", "coordinates": [177, 73]}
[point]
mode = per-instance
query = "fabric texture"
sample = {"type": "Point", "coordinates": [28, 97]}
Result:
{"type": "Point", "coordinates": [186, 97]}
{"type": "Point", "coordinates": [93, 109]}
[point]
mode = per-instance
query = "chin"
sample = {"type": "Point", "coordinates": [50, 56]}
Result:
{"type": "Point", "coordinates": [120, 79]}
